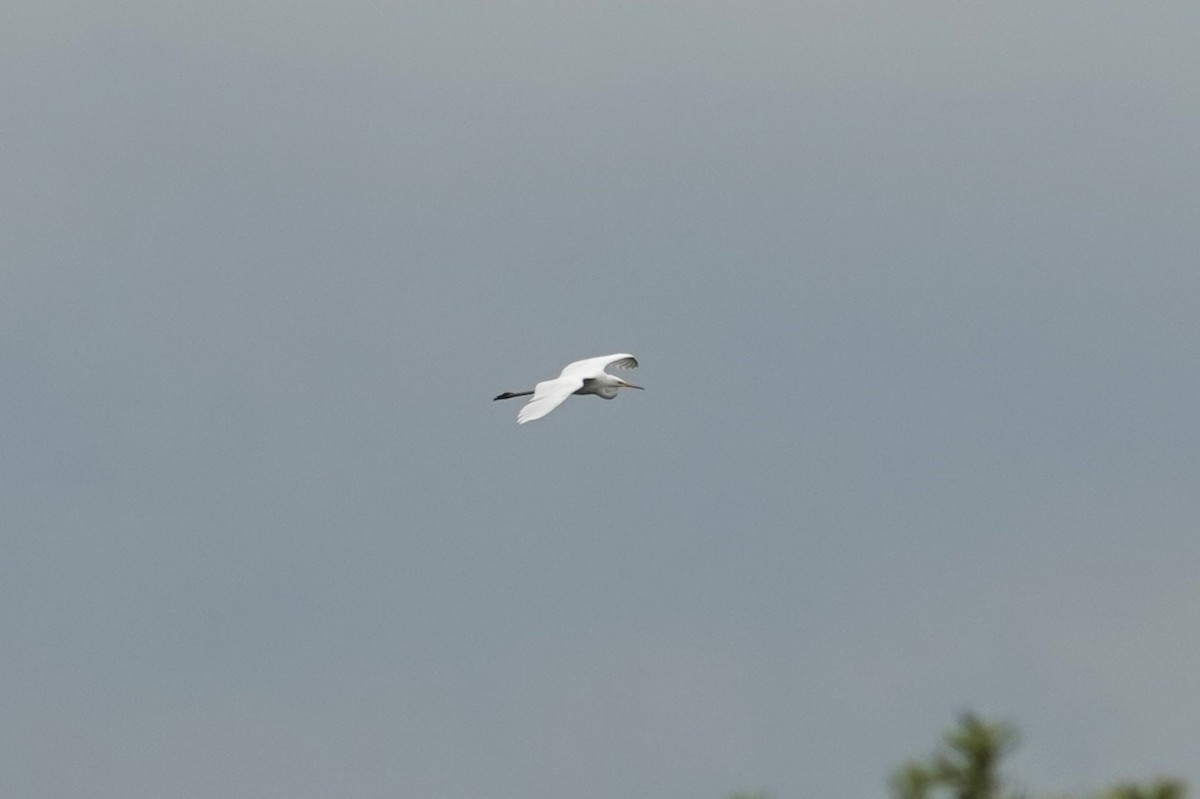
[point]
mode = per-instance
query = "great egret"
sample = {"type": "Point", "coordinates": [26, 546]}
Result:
{"type": "Point", "coordinates": [582, 377]}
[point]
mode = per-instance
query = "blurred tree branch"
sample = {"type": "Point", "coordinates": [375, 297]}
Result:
{"type": "Point", "coordinates": [967, 766]}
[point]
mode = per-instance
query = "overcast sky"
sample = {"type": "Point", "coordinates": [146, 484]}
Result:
{"type": "Point", "coordinates": [914, 287]}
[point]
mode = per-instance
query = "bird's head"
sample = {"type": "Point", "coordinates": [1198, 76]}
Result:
{"type": "Point", "coordinates": [627, 384]}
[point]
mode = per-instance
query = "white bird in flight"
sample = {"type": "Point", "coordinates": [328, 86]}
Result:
{"type": "Point", "coordinates": [582, 377]}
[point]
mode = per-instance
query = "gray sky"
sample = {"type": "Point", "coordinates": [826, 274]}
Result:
{"type": "Point", "coordinates": [914, 287]}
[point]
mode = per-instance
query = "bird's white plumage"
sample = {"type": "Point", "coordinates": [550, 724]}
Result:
{"type": "Point", "coordinates": [622, 360]}
{"type": "Point", "coordinates": [581, 377]}
{"type": "Point", "coordinates": [547, 396]}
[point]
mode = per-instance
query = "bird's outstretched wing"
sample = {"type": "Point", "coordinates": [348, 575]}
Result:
{"type": "Point", "coordinates": [622, 360]}
{"type": "Point", "coordinates": [547, 396]}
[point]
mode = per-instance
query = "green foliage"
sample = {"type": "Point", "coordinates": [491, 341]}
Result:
{"type": "Point", "coordinates": [913, 781]}
{"type": "Point", "coordinates": [967, 767]}
{"type": "Point", "coordinates": [1159, 789]}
